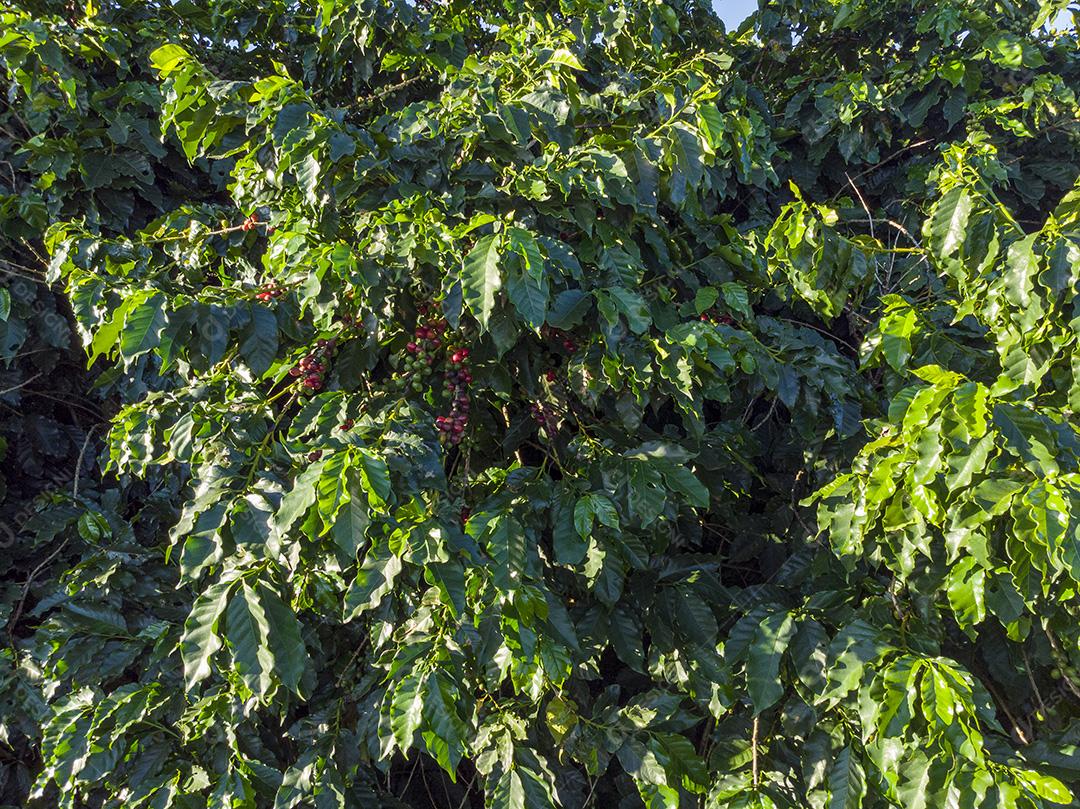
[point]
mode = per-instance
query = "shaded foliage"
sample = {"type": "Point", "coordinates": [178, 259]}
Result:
{"type": "Point", "coordinates": [521, 405]}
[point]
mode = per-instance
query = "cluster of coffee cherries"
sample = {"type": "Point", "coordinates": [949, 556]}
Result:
{"type": "Point", "coordinates": [421, 351]}
{"type": "Point", "coordinates": [270, 291]}
{"type": "Point", "coordinates": [458, 378]}
{"type": "Point", "coordinates": [543, 415]}
{"type": "Point", "coordinates": [711, 316]}
{"type": "Point", "coordinates": [250, 223]}
{"type": "Point", "coordinates": [559, 337]}
{"type": "Point", "coordinates": [312, 368]}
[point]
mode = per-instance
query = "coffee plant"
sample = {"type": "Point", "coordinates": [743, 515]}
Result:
{"type": "Point", "coordinates": [551, 403]}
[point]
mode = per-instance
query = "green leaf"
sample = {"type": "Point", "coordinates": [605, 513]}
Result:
{"type": "Point", "coordinates": [5, 304]}
{"type": "Point", "coordinates": [966, 585]}
{"type": "Point", "coordinates": [763, 661]}
{"type": "Point", "coordinates": [1045, 786]}
{"type": "Point", "coordinates": [847, 781]}
{"type": "Point", "coordinates": [374, 580]}
{"type": "Point", "coordinates": [626, 637]}
{"type": "Point", "coordinates": [685, 483]}
{"type": "Point", "coordinates": [375, 477]}
{"type": "Point", "coordinates": [963, 466]}
{"type": "Point", "coordinates": [592, 507]}
{"type": "Point", "coordinates": [446, 733]}
{"type": "Point", "coordinates": [529, 297]}
{"type": "Point", "coordinates": [481, 278]}
{"type": "Point", "coordinates": [914, 790]}
{"type": "Point", "coordinates": [259, 341]}
{"type": "Point", "coordinates": [247, 629]}
{"type": "Point", "coordinates": [142, 327]}
{"type": "Point", "coordinates": [349, 530]}
{"type": "Point", "coordinates": [569, 309]}
{"type": "Point", "coordinates": [298, 499]}
{"type": "Point", "coordinates": [645, 492]}
{"type": "Point", "coordinates": [333, 489]}
{"type": "Point", "coordinates": [287, 647]}
{"type": "Point", "coordinates": [570, 546]}
{"type": "Point", "coordinates": [508, 792]}
{"type": "Point", "coordinates": [406, 708]}
{"type": "Point", "coordinates": [200, 639]}
{"type": "Point", "coordinates": [948, 223]}
{"type": "Point", "coordinates": [1021, 268]}
{"type": "Point", "coordinates": [166, 58]}
{"type": "Point", "coordinates": [506, 544]}
{"type": "Point", "coordinates": [564, 57]}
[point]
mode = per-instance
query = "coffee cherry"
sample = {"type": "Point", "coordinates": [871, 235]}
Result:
{"type": "Point", "coordinates": [550, 376]}
{"type": "Point", "coordinates": [314, 456]}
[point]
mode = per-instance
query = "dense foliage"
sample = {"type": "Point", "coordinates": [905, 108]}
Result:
{"type": "Point", "coordinates": [539, 404]}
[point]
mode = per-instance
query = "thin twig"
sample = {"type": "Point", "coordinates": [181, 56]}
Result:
{"type": "Point", "coordinates": [412, 772]}
{"type": "Point", "coordinates": [1034, 687]}
{"type": "Point", "coordinates": [468, 789]}
{"type": "Point", "coordinates": [1017, 728]}
{"type": "Point", "coordinates": [22, 384]}
{"type": "Point", "coordinates": [869, 216]}
{"type": "Point", "coordinates": [78, 463]}
{"type": "Point", "coordinates": [592, 788]}
{"type": "Point", "coordinates": [15, 616]}
{"type": "Point", "coordinates": [767, 416]}
{"type": "Point", "coordinates": [819, 330]}
{"type": "Point", "coordinates": [754, 746]}
{"type": "Point", "coordinates": [892, 157]}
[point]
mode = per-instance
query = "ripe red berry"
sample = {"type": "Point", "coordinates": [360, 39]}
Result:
{"type": "Point", "coordinates": [314, 456]}
{"type": "Point", "coordinates": [411, 348]}
{"type": "Point", "coordinates": [295, 371]}
{"type": "Point", "coordinates": [550, 376]}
